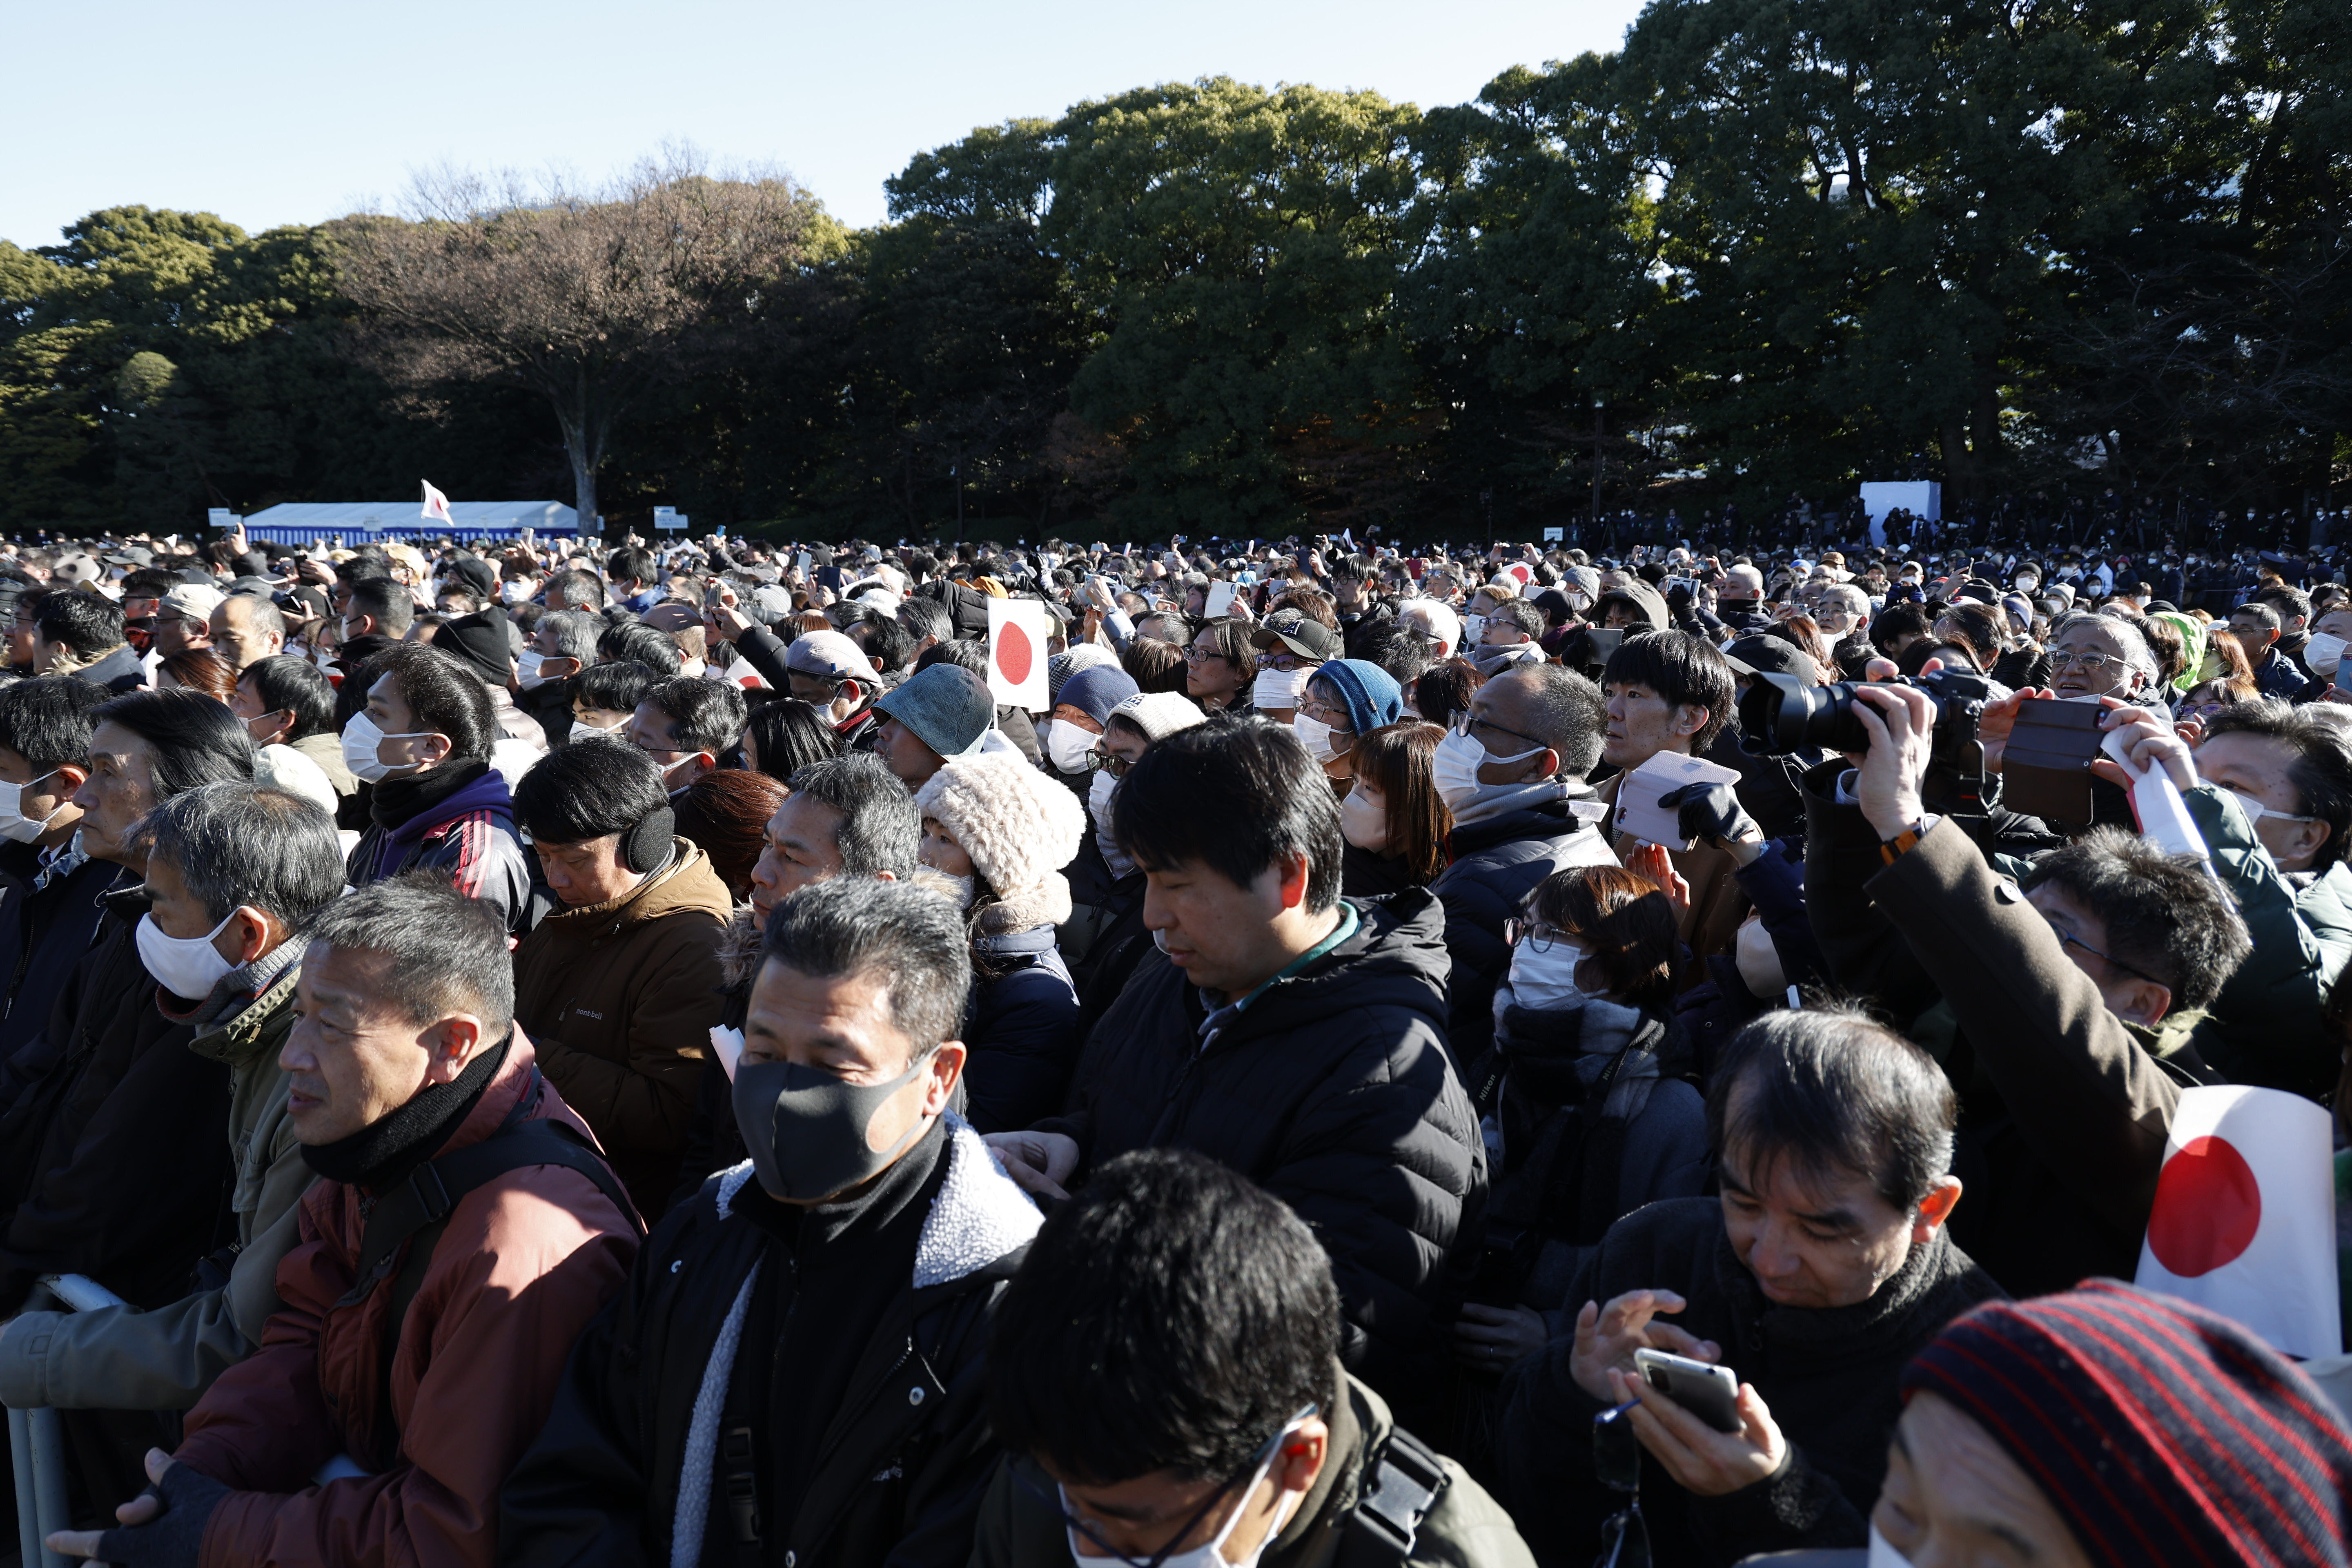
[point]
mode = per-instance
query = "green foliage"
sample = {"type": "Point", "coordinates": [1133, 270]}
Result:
{"type": "Point", "coordinates": [1783, 244]}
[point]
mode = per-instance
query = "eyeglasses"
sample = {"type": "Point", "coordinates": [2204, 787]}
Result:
{"type": "Point", "coordinates": [1464, 724]}
{"type": "Point", "coordinates": [1538, 935]}
{"type": "Point", "coordinates": [1286, 661]}
{"type": "Point", "coordinates": [2068, 939]}
{"type": "Point", "coordinates": [1111, 763]}
{"type": "Point", "coordinates": [1241, 1476]}
{"type": "Point", "coordinates": [1335, 717]}
{"type": "Point", "coordinates": [1196, 652]}
{"type": "Point", "coordinates": [1617, 1465]}
{"type": "Point", "coordinates": [2088, 663]}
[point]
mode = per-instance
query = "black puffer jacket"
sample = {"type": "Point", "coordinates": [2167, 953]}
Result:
{"type": "Point", "coordinates": [1826, 1375]}
{"type": "Point", "coordinates": [903, 1464]}
{"type": "Point", "coordinates": [1496, 863]}
{"type": "Point", "coordinates": [1334, 1091]}
{"type": "Point", "coordinates": [114, 1160]}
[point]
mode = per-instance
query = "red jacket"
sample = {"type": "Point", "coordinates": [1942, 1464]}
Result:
{"type": "Point", "coordinates": [525, 1261]}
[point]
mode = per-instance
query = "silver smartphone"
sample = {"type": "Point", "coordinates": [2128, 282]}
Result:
{"type": "Point", "coordinates": [1709, 1393]}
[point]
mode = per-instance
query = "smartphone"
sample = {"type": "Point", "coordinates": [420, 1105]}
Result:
{"type": "Point", "coordinates": [1709, 1393]}
{"type": "Point", "coordinates": [2046, 766]}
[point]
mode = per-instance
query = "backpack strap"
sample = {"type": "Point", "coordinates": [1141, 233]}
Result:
{"type": "Point", "coordinates": [1407, 1478]}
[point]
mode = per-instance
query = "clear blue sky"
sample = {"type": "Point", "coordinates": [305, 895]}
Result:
{"type": "Point", "coordinates": [277, 112]}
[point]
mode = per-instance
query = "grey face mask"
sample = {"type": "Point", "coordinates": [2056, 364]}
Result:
{"type": "Point", "coordinates": [806, 1130]}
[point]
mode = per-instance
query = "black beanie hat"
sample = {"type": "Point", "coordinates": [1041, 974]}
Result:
{"type": "Point", "coordinates": [2163, 1432]}
{"type": "Point", "coordinates": [481, 640]}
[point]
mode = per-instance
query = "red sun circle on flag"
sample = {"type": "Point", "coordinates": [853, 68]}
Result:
{"type": "Point", "coordinates": [1013, 654]}
{"type": "Point", "coordinates": [2207, 1208]}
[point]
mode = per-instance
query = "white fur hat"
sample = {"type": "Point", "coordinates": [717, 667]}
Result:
{"type": "Point", "coordinates": [1019, 826]}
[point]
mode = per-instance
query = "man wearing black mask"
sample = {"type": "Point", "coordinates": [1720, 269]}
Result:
{"type": "Point", "coordinates": [793, 1376]}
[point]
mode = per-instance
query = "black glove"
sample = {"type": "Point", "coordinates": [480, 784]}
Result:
{"type": "Point", "coordinates": [1711, 811]}
{"type": "Point", "coordinates": [173, 1539]}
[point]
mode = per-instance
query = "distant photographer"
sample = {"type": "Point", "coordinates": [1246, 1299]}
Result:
{"type": "Point", "coordinates": [2073, 999]}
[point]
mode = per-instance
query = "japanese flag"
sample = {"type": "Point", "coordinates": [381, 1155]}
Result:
{"type": "Point", "coordinates": [1520, 571]}
{"type": "Point", "coordinates": [437, 505]}
{"type": "Point", "coordinates": [2245, 1222]}
{"type": "Point", "coordinates": [1016, 653]}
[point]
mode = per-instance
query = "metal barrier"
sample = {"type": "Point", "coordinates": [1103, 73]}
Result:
{"type": "Point", "coordinates": [36, 1441]}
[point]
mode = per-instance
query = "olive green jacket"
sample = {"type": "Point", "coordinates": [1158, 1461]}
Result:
{"type": "Point", "coordinates": [119, 1358]}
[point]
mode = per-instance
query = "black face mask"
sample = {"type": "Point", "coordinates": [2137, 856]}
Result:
{"type": "Point", "coordinates": [807, 1129]}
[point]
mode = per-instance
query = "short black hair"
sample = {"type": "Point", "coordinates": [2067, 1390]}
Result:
{"type": "Point", "coordinates": [1520, 614]}
{"type": "Point", "coordinates": [705, 715]}
{"type": "Point", "coordinates": [47, 719]}
{"type": "Point", "coordinates": [391, 605]}
{"type": "Point", "coordinates": [880, 828]}
{"type": "Point", "coordinates": [1681, 668]}
{"type": "Point", "coordinates": [961, 652]}
{"type": "Point", "coordinates": [1237, 796]}
{"type": "Point", "coordinates": [574, 590]}
{"type": "Point", "coordinates": [2288, 602]}
{"type": "Point", "coordinates": [880, 638]}
{"type": "Point", "coordinates": [446, 953]}
{"type": "Point", "coordinates": [911, 938]}
{"type": "Point", "coordinates": [2166, 915]}
{"type": "Point", "coordinates": [197, 740]}
{"type": "Point", "coordinates": [615, 688]}
{"type": "Point", "coordinates": [1831, 1090]}
{"type": "Point", "coordinates": [634, 641]}
{"type": "Point", "coordinates": [630, 564]}
{"type": "Point", "coordinates": [240, 843]}
{"type": "Point", "coordinates": [1898, 620]}
{"type": "Point", "coordinates": [1172, 1316]}
{"type": "Point", "coordinates": [445, 693]}
{"type": "Point", "coordinates": [1395, 647]}
{"type": "Point", "coordinates": [788, 735]}
{"type": "Point", "coordinates": [2321, 771]}
{"type": "Point", "coordinates": [87, 623]}
{"type": "Point", "coordinates": [283, 682]}
{"type": "Point", "coordinates": [588, 790]}
{"type": "Point", "coordinates": [926, 617]}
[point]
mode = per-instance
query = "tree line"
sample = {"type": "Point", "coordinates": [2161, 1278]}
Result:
{"type": "Point", "coordinates": [1768, 245]}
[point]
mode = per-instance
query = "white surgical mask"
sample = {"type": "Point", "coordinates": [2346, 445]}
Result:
{"type": "Point", "coordinates": [1277, 689]}
{"type": "Point", "coordinates": [1455, 766]}
{"type": "Point", "coordinates": [14, 825]}
{"type": "Point", "coordinates": [1545, 981]}
{"type": "Point", "coordinates": [2323, 653]}
{"type": "Point", "coordinates": [1316, 736]}
{"type": "Point", "coordinates": [186, 966]}
{"type": "Point", "coordinates": [1098, 799]}
{"type": "Point", "coordinates": [2255, 811]}
{"type": "Point", "coordinates": [583, 732]}
{"type": "Point", "coordinates": [1473, 627]}
{"type": "Point", "coordinates": [527, 667]}
{"type": "Point", "coordinates": [1066, 745]}
{"type": "Point", "coordinates": [1210, 1554]}
{"type": "Point", "coordinates": [363, 739]}
{"type": "Point", "coordinates": [1362, 824]}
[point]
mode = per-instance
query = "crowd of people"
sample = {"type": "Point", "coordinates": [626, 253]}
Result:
{"type": "Point", "coordinates": [652, 1055]}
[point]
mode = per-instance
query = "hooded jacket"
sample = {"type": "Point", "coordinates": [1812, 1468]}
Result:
{"type": "Point", "coordinates": [114, 1158]}
{"type": "Point", "coordinates": [117, 1358]}
{"type": "Point", "coordinates": [1498, 858]}
{"type": "Point", "coordinates": [1465, 1528]}
{"type": "Point", "coordinates": [1334, 1091]}
{"type": "Point", "coordinates": [1828, 1376]}
{"type": "Point", "coordinates": [526, 1261]}
{"type": "Point", "coordinates": [619, 999]}
{"type": "Point", "coordinates": [463, 825]}
{"type": "Point", "coordinates": [630, 1469]}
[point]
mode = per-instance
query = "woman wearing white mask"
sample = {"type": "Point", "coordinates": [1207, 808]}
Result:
{"type": "Point", "coordinates": [1291, 648]}
{"type": "Point", "coordinates": [999, 828]}
{"type": "Point", "coordinates": [1586, 1014]}
{"type": "Point", "coordinates": [1346, 698]}
{"type": "Point", "coordinates": [1394, 822]}
{"type": "Point", "coordinates": [1083, 702]}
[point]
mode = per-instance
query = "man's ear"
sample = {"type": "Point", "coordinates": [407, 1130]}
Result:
{"type": "Point", "coordinates": [2310, 837]}
{"type": "Point", "coordinates": [1691, 717]}
{"type": "Point", "coordinates": [2142, 1002]}
{"type": "Point", "coordinates": [1935, 1209]}
{"type": "Point", "coordinates": [452, 1043]}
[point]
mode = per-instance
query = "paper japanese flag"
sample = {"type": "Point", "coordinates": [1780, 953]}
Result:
{"type": "Point", "coordinates": [437, 505]}
{"type": "Point", "coordinates": [2245, 1222]}
{"type": "Point", "coordinates": [1520, 571]}
{"type": "Point", "coordinates": [1016, 653]}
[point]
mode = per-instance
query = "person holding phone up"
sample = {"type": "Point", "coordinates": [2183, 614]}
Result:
{"type": "Point", "coordinates": [1821, 1270]}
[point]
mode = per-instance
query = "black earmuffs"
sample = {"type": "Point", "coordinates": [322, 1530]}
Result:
{"type": "Point", "coordinates": [648, 845]}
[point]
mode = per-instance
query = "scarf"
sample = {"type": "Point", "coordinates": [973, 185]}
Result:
{"type": "Point", "coordinates": [388, 1149]}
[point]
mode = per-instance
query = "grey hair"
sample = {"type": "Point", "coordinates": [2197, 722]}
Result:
{"type": "Point", "coordinates": [1567, 712]}
{"type": "Point", "coordinates": [2137, 652]}
{"type": "Point", "coordinates": [248, 843]}
{"type": "Point", "coordinates": [447, 952]}
{"type": "Point", "coordinates": [880, 828]}
{"type": "Point", "coordinates": [576, 632]}
{"type": "Point", "coordinates": [912, 941]}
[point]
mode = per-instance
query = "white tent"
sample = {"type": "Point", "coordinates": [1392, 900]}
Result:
{"type": "Point", "coordinates": [308, 522]}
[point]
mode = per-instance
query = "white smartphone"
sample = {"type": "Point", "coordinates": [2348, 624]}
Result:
{"type": "Point", "coordinates": [1709, 1393]}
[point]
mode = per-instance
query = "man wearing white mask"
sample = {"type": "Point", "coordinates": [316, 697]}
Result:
{"type": "Point", "coordinates": [1512, 774]}
{"type": "Point", "coordinates": [232, 869]}
{"type": "Point", "coordinates": [49, 885]}
{"type": "Point", "coordinates": [562, 644]}
{"type": "Point", "coordinates": [425, 740]}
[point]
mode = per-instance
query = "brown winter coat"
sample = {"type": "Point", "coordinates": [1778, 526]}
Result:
{"type": "Point", "coordinates": [527, 1259]}
{"type": "Point", "coordinates": [620, 998]}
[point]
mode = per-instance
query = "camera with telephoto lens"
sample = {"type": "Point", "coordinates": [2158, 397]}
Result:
{"type": "Point", "coordinates": [1780, 714]}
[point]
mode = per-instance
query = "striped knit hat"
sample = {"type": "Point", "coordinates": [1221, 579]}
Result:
{"type": "Point", "coordinates": [2163, 1432]}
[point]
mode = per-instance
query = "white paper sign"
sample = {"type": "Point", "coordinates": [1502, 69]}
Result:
{"type": "Point", "coordinates": [2244, 1219]}
{"type": "Point", "coordinates": [1638, 811]}
{"type": "Point", "coordinates": [1016, 654]}
{"type": "Point", "coordinates": [1221, 598]}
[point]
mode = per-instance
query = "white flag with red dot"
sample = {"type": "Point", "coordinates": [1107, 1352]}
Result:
{"type": "Point", "coordinates": [437, 505]}
{"type": "Point", "coordinates": [1016, 653]}
{"type": "Point", "coordinates": [2244, 1220]}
